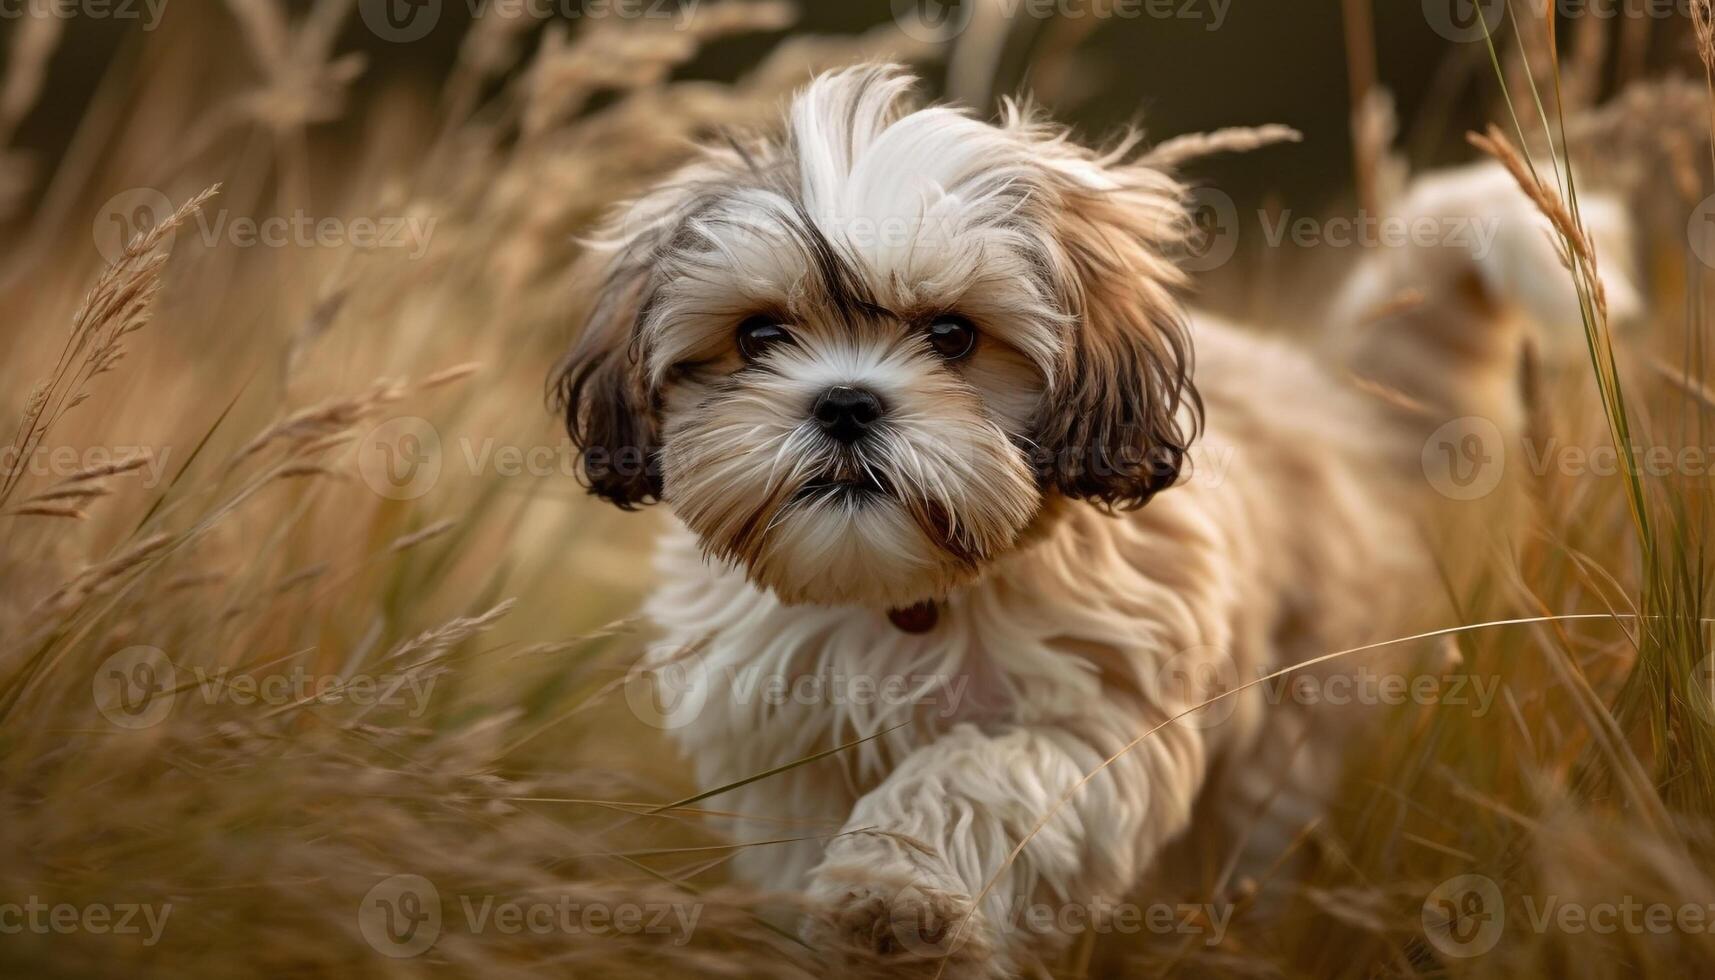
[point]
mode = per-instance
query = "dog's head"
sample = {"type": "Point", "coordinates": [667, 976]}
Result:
{"type": "Point", "coordinates": [857, 359]}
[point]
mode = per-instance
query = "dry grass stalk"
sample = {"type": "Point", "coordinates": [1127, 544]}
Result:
{"type": "Point", "coordinates": [298, 471]}
{"type": "Point", "coordinates": [43, 510]}
{"type": "Point", "coordinates": [1358, 21]}
{"type": "Point", "coordinates": [430, 644]}
{"type": "Point", "coordinates": [567, 71]}
{"type": "Point", "coordinates": [1237, 139]}
{"type": "Point", "coordinates": [1582, 256]}
{"type": "Point", "coordinates": [409, 541]}
{"type": "Point", "coordinates": [489, 49]}
{"type": "Point", "coordinates": [94, 579]}
{"type": "Point", "coordinates": [1650, 124]}
{"type": "Point", "coordinates": [302, 576]}
{"type": "Point", "coordinates": [1641, 110]}
{"type": "Point", "coordinates": [457, 372]}
{"type": "Point", "coordinates": [323, 425]}
{"type": "Point", "coordinates": [86, 492]}
{"type": "Point", "coordinates": [131, 463]}
{"type": "Point", "coordinates": [1689, 385]}
{"type": "Point", "coordinates": [117, 306]}
{"type": "Point", "coordinates": [321, 318]}
{"type": "Point", "coordinates": [194, 580]}
{"type": "Point", "coordinates": [304, 82]}
{"type": "Point", "coordinates": [326, 443]}
{"type": "Point", "coordinates": [1703, 26]}
{"type": "Point", "coordinates": [1390, 395]}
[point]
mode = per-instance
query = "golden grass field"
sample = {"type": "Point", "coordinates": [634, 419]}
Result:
{"type": "Point", "coordinates": [219, 319]}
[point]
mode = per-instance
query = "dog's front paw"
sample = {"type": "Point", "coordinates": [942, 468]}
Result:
{"type": "Point", "coordinates": [901, 924]}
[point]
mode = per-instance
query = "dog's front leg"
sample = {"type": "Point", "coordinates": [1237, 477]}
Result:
{"type": "Point", "coordinates": [898, 889]}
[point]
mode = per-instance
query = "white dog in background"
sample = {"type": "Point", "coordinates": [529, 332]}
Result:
{"type": "Point", "coordinates": [908, 379]}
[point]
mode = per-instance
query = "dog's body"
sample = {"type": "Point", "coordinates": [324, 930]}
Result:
{"type": "Point", "coordinates": [1056, 618]}
{"type": "Point", "coordinates": [1101, 625]}
{"type": "Point", "coordinates": [1067, 649]}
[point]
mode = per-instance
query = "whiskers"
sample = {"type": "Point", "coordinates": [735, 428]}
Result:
{"type": "Point", "coordinates": [933, 490]}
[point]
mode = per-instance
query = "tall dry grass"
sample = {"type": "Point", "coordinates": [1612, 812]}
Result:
{"type": "Point", "coordinates": [212, 400]}
{"type": "Point", "coordinates": [200, 419]}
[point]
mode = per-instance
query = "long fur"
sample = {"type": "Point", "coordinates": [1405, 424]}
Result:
{"type": "Point", "coordinates": [1071, 618]}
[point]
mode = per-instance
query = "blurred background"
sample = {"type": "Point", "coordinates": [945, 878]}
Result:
{"type": "Point", "coordinates": [1176, 67]}
{"type": "Point", "coordinates": [1169, 66]}
{"type": "Point", "coordinates": [1263, 62]}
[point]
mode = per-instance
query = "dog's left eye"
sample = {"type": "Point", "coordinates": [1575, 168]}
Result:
{"type": "Point", "coordinates": [952, 337]}
{"type": "Point", "coordinates": [758, 335]}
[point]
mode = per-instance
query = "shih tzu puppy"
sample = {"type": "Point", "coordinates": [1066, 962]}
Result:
{"type": "Point", "coordinates": [949, 486]}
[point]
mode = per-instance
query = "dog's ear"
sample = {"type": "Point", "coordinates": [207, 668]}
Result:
{"type": "Point", "coordinates": [1123, 410]}
{"type": "Point", "coordinates": [603, 391]}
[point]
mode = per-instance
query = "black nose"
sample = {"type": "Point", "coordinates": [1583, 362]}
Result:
{"type": "Point", "coordinates": [846, 413]}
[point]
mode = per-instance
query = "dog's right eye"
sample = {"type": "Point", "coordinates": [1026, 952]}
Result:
{"type": "Point", "coordinates": [758, 335]}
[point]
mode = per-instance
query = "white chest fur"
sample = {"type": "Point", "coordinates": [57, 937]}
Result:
{"type": "Point", "coordinates": [1034, 641]}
